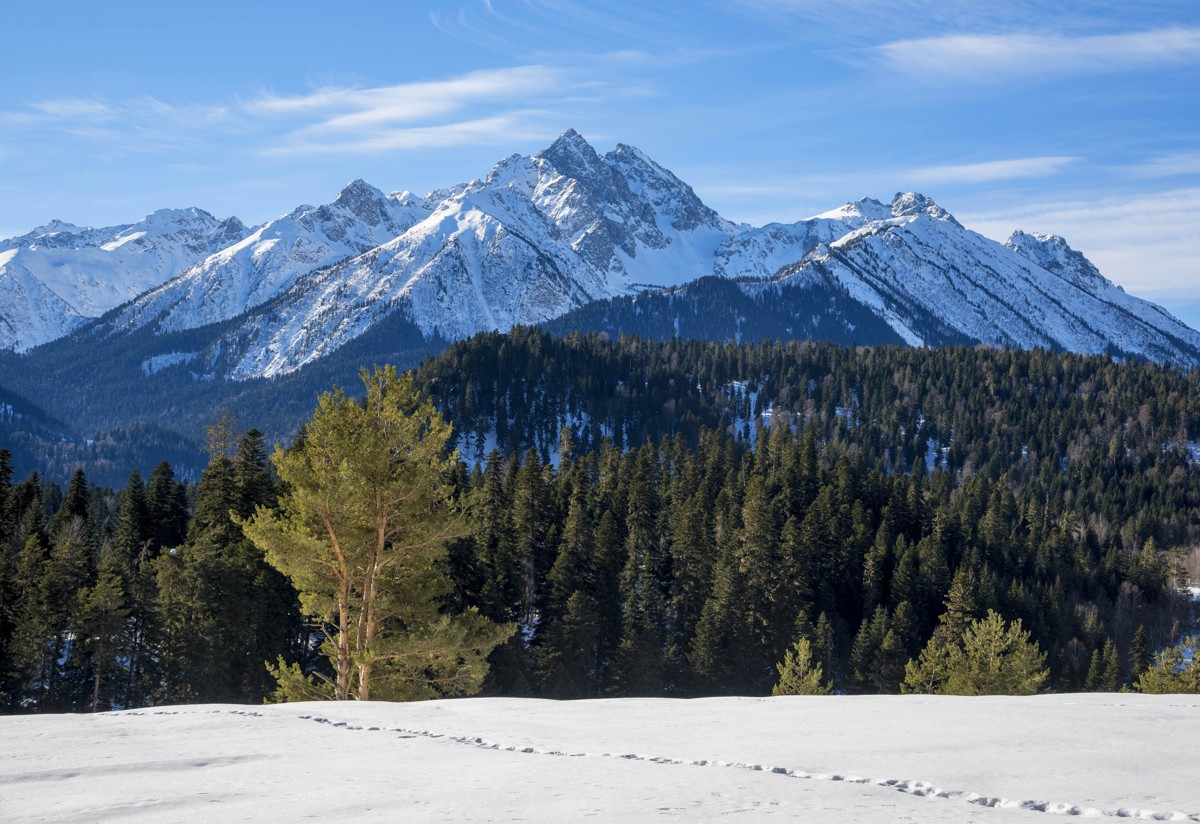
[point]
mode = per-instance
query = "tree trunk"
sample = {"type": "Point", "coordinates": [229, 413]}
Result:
{"type": "Point", "coordinates": [341, 689]}
{"type": "Point", "coordinates": [96, 680]}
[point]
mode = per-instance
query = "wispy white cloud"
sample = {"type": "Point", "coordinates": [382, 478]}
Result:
{"type": "Point", "coordinates": [580, 29]}
{"type": "Point", "coordinates": [74, 108]}
{"type": "Point", "coordinates": [992, 57]}
{"type": "Point", "coordinates": [137, 122]}
{"type": "Point", "coordinates": [504, 128]}
{"type": "Point", "coordinates": [355, 109]}
{"type": "Point", "coordinates": [494, 106]}
{"type": "Point", "coordinates": [989, 171]}
{"type": "Point", "coordinates": [486, 106]}
{"type": "Point", "coordinates": [1168, 165]}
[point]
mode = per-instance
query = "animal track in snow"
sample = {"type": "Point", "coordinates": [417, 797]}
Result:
{"type": "Point", "coordinates": [908, 786]}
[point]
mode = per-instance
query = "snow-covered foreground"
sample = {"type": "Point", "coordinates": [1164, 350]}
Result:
{"type": "Point", "coordinates": [827, 759]}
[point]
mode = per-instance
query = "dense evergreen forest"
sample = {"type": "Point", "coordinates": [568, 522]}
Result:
{"type": "Point", "coordinates": [669, 518]}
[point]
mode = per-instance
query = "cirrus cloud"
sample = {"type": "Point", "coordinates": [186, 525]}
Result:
{"type": "Point", "coordinates": [993, 57]}
{"type": "Point", "coordinates": [991, 170]}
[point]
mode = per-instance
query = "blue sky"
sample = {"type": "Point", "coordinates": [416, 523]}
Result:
{"type": "Point", "coordinates": [1078, 118]}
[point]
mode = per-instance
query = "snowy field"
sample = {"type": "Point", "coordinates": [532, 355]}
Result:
{"type": "Point", "coordinates": [819, 759]}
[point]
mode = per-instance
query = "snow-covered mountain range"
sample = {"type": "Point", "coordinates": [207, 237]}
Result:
{"type": "Point", "coordinates": [58, 276]}
{"type": "Point", "coordinates": [538, 237]}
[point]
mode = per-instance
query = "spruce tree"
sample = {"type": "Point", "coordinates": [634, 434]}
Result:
{"type": "Point", "coordinates": [166, 509]}
{"type": "Point", "coordinates": [1139, 654]}
{"type": "Point", "coordinates": [8, 571]}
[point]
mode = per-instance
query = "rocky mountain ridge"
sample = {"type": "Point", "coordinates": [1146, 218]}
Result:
{"type": "Point", "coordinates": [542, 236]}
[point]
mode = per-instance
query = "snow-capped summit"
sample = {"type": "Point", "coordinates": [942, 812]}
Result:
{"type": "Point", "coordinates": [1052, 253]}
{"type": "Point", "coordinates": [860, 211]}
{"type": "Point", "coordinates": [538, 236]}
{"type": "Point", "coordinates": [936, 282]}
{"type": "Point", "coordinates": [573, 157]}
{"type": "Point", "coordinates": [911, 204]}
{"type": "Point", "coordinates": [57, 277]}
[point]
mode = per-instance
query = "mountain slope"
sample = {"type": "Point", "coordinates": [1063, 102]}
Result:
{"type": "Point", "coordinates": [253, 270]}
{"type": "Point", "coordinates": [57, 277]}
{"type": "Point", "coordinates": [544, 235]}
{"type": "Point", "coordinates": [921, 263]}
{"type": "Point", "coordinates": [566, 238]}
{"type": "Point", "coordinates": [539, 236]}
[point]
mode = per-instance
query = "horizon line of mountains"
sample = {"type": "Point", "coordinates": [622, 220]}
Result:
{"type": "Point", "coordinates": [130, 339]}
{"type": "Point", "coordinates": [540, 237]}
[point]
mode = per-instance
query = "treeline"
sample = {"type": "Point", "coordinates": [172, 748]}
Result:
{"type": "Point", "coordinates": [150, 596]}
{"type": "Point", "coordinates": [970, 410]}
{"type": "Point", "coordinates": [667, 519]}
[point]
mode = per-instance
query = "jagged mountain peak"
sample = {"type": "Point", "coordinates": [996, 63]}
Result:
{"type": "Point", "coordinates": [570, 140]}
{"type": "Point", "coordinates": [624, 150]}
{"type": "Point", "coordinates": [362, 200]}
{"type": "Point", "coordinates": [55, 226]}
{"type": "Point", "coordinates": [913, 204]}
{"type": "Point", "coordinates": [232, 224]}
{"type": "Point", "coordinates": [506, 172]}
{"type": "Point", "coordinates": [547, 232]}
{"type": "Point", "coordinates": [1055, 255]}
{"type": "Point", "coordinates": [59, 276]}
{"type": "Point", "coordinates": [574, 157]}
{"type": "Point", "coordinates": [669, 196]}
{"type": "Point", "coordinates": [406, 198]}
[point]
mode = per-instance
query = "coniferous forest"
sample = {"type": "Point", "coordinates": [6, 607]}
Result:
{"type": "Point", "coordinates": [669, 518]}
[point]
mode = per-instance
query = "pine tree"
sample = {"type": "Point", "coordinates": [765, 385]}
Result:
{"type": "Point", "coordinates": [798, 673]}
{"type": "Point", "coordinates": [103, 638]}
{"type": "Point", "coordinates": [133, 523]}
{"type": "Point", "coordinates": [45, 649]}
{"type": "Point", "coordinates": [996, 659]}
{"type": "Point", "coordinates": [770, 608]}
{"type": "Point", "coordinates": [221, 612]}
{"type": "Point", "coordinates": [491, 507]}
{"type": "Point", "coordinates": [644, 665]}
{"type": "Point", "coordinates": [1175, 669]}
{"type": "Point", "coordinates": [568, 656]}
{"type": "Point", "coordinates": [74, 507]}
{"type": "Point", "coordinates": [8, 571]}
{"type": "Point", "coordinates": [691, 552]}
{"type": "Point", "coordinates": [361, 532]}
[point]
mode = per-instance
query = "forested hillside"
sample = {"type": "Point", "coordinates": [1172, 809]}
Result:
{"type": "Point", "coordinates": [751, 311]}
{"type": "Point", "coordinates": [672, 518]}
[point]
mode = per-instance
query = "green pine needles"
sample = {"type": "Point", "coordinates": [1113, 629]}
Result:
{"type": "Point", "coordinates": [362, 532]}
{"type": "Point", "coordinates": [991, 657]}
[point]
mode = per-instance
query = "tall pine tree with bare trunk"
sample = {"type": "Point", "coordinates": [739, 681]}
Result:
{"type": "Point", "coordinates": [362, 533]}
